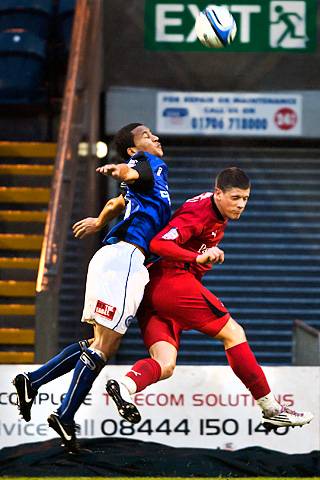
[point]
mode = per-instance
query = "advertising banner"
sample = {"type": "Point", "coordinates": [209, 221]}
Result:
{"type": "Point", "coordinates": [223, 113]}
{"type": "Point", "coordinates": [263, 25]}
{"type": "Point", "coordinates": [200, 406]}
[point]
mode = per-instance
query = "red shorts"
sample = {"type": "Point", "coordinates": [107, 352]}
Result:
{"type": "Point", "coordinates": [174, 301]}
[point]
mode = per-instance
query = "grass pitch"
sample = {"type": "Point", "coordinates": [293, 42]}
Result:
{"type": "Point", "coordinates": [162, 478]}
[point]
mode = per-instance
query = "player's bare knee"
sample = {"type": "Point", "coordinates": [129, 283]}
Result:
{"type": "Point", "coordinates": [232, 333]}
{"type": "Point", "coordinates": [236, 335]}
{"type": "Point", "coordinates": [167, 369]}
{"type": "Point", "coordinates": [240, 333]}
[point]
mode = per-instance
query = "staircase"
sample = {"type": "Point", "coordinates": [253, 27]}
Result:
{"type": "Point", "coordinates": [25, 179]}
{"type": "Point", "coordinates": [271, 273]}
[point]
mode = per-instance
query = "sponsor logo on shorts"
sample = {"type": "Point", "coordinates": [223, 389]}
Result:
{"type": "Point", "coordinates": [105, 310]}
{"type": "Point", "coordinates": [172, 234]}
{"type": "Point", "coordinates": [128, 320]}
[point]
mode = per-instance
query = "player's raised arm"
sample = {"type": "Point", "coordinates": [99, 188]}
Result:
{"type": "Point", "coordinates": [121, 172]}
{"type": "Point", "coordinates": [91, 225]}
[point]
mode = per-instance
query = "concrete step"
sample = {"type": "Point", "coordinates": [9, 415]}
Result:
{"type": "Point", "coordinates": [30, 228]}
{"type": "Point", "coordinates": [24, 195]}
{"type": "Point", "coordinates": [20, 241]}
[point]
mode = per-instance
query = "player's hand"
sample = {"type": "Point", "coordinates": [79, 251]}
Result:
{"type": "Point", "coordinates": [85, 227]}
{"type": "Point", "coordinates": [111, 170]}
{"type": "Point", "coordinates": [212, 255]}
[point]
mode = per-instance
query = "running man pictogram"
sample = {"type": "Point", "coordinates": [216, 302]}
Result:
{"type": "Point", "coordinates": [291, 22]}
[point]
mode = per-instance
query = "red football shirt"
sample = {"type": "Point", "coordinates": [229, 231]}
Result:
{"type": "Point", "coordinates": [196, 226]}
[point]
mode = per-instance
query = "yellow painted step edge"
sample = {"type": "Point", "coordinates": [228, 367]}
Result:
{"type": "Point", "coordinates": [38, 170]}
{"type": "Point", "coordinates": [20, 241]}
{"type": "Point", "coordinates": [23, 215]}
{"type": "Point", "coordinates": [17, 336]}
{"type": "Point", "coordinates": [14, 288]}
{"type": "Point", "coordinates": [24, 195]}
{"type": "Point", "coordinates": [14, 309]}
{"type": "Point", "coordinates": [19, 263]}
{"type": "Point", "coordinates": [28, 149]}
{"type": "Point", "coordinates": [16, 357]}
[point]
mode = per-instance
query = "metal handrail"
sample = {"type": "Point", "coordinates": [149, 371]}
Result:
{"type": "Point", "coordinates": [50, 247]}
{"type": "Point", "coordinates": [71, 130]}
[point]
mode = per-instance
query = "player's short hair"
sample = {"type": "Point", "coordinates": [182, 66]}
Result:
{"type": "Point", "coordinates": [232, 177]}
{"type": "Point", "coordinates": [123, 139]}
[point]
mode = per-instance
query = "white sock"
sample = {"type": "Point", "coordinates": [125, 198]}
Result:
{"type": "Point", "coordinates": [129, 384]}
{"type": "Point", "coordinates": [269, 404]}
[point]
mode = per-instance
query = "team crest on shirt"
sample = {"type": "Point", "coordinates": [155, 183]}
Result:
{"type": "Point", "coordinates": [105, 310]}
{"type": "Point", "coordinates": [172, 234]}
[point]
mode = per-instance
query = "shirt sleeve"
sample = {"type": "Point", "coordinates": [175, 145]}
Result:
{"type": "Point", "coordinates": [122, 189]}
{"type": "Point", "coordinates": [169, 249]}
{"type": "Point", "coordinates": [145, 182]}
{"type": "Point", "coordinates": [169, 242]}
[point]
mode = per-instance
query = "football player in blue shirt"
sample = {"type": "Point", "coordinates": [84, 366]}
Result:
{"type": "Point", "coordinates": [116, 275]}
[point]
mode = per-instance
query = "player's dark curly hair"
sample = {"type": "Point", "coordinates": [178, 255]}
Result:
{"type": "Point", "coordinates": [232, 177]}
{"type": "Point", "coordinates": [123, 139]}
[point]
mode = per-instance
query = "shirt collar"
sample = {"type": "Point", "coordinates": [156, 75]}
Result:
{"type": "Point", "coordinates": [216, 210]}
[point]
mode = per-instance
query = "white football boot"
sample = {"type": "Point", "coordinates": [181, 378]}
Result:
{"type": "Point", "coordinates": [286, 417]}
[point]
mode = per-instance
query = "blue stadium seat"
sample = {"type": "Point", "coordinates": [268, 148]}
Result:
{"type": "Point", "coordinates": [31, 15]}
{"type": "Point", "coordinates": [64, 22]}
{"type": "Point", "coordinates": [22, 61]}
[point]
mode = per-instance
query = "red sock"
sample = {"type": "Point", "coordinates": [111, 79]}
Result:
{"type": "Point", "coordinates": [245, 366]}
{"type": "Point", "coordinates": [145, 372]}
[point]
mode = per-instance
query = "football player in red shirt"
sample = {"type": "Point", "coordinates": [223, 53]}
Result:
{"type": "Point", "coordinates": [175, 300]}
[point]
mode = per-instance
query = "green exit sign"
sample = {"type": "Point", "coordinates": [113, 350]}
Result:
{"type": "Point", "coordinates": [263, 25]}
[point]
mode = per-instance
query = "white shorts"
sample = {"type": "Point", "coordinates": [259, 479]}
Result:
{"type": "Point", "coordinates": [116, 280]}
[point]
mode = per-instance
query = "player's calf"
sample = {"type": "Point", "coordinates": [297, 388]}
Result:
{"type": "Point", "coordinates": [121, 397]}
{"type": "Point", "coordinates": [25, 395]}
